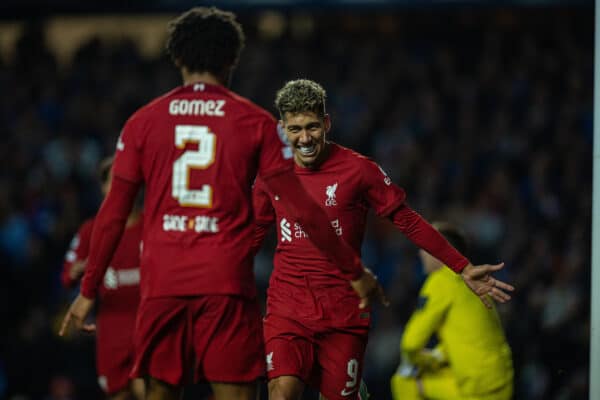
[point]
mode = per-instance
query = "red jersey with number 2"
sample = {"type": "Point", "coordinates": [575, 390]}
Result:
{"type": "Point", "coordinates": [198, 149]}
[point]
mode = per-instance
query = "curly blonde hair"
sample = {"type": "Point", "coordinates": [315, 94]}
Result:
{"type": "Point", "coordinates": [301, 95]}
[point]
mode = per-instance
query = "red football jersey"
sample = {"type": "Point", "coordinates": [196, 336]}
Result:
{"type": "Point", "coordinates": [119, 294]}
{"type": "Point", "coordinates": [347, 185]}
{"type": "Point", "coordinates": [198, 149]}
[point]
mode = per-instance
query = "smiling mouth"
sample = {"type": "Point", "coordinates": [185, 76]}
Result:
{"type": "Point", "coordinates": [307, 150]}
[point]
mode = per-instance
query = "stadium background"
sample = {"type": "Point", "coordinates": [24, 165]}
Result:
{"type": "Point", "coordinates": [483, 114]}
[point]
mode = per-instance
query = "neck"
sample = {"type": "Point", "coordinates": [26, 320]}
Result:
{"type": "Point", "coordinates": [190, 78]}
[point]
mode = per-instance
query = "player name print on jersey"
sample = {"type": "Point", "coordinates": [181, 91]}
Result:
{"type": "Point", "coordinates": [211, 108]}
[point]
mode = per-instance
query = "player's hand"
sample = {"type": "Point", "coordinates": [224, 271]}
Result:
{"type": "Point", "coordinates": [78, 312]}
{"type": "Point", "coordinates": [368, 288]}
{"type": "Point", "coordinates": [479, 279]}
{"type": "Point", "coordinates": [77, 269]}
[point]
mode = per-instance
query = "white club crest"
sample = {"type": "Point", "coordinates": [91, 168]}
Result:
{"type": "Point", "coordinates": [330, 192]}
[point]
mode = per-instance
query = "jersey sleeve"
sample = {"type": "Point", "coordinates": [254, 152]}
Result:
{"type": "Point", "coordinates": [381, 193]}
{"type": "Point", "coordinates": [264, 214]}
{"type": "Point", "coordinates": [78, 251]}
{"type": "Point", "coordinates": [275, 152]}
{"type": "Point", "coordinates": [422, 234]}
{"type": "Point", "coordinates": [128, 163]}
{"type": "Point", "coordinates": [434, 302]}
{"type": "Point", "coordinates": [109, 225]}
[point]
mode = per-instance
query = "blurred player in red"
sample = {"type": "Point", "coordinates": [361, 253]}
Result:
{"type": "Point", "coordinates": [314, 332]}
{"type": "Point", "coordinates": [118, 300]}
{"type": "Point", "coordinates": [198, 149]}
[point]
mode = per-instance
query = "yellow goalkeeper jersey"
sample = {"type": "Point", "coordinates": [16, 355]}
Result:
{"type": "Point", "coordinates": [471, 336]}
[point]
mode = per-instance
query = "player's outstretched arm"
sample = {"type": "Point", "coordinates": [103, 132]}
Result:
{"type": "Point", "coordinates": [480, 280]}
{"type": "Point", "coordinates": [315, 223]}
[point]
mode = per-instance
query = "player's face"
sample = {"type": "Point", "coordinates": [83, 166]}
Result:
{"type": "Point", "coordinates": [306, 133]}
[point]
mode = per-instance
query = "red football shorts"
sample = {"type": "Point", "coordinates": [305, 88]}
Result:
{"type": "Point", "coordinates": [114, 352]}
{"type": "Point", "coordinates": [181, 340]}
{"type": "Point", "coordinates": [329, 360]}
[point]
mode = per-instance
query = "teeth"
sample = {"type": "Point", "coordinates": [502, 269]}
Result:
{"type": "Point", "coordinates": [306, 149]}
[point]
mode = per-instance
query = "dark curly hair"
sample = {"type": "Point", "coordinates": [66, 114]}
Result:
{"type": "Point", "coordinates": [300, 96]}
{"type": "Point", "coordinates": [206, 39]}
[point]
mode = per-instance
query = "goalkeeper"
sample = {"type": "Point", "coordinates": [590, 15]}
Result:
{"type": "Point", "coordinates": [472, 360]}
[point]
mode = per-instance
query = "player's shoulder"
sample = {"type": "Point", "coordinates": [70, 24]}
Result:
{"type": "Point", "coordinates": [356, 163]}
{"type": "Point", "coordinates": [351, 156]}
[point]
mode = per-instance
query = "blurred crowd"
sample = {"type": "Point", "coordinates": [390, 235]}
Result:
{"type": "Point", "coordinates": [484, 117]}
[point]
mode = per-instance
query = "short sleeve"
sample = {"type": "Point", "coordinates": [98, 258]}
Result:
{"type": "Point", "coordinates": [275, 152]}
{"type": "Point", "coordinates": [382, 194]}
{"type": "Point", "coordinates": [264, 213]}
{"type": "Point", "coordinates": [128, 163]}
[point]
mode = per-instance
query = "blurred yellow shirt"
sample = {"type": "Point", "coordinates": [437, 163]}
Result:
{"type": "Point", "coordinates": [471, 337]}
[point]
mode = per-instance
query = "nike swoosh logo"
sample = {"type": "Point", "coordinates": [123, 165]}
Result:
{"type": "Point", "coordinates": [348, 393]}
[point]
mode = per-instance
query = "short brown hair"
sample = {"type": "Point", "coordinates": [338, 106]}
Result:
{"type": "Point", "coordinates": [301, 95]}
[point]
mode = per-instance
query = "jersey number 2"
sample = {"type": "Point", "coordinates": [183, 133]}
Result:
{"type": "Point", "coordinates": [202, 158]}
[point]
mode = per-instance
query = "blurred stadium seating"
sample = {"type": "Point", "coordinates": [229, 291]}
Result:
{"type": "Point", "coordinates": [483, 114]}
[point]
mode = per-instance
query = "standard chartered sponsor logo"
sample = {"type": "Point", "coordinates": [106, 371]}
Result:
{"type": "Point", "coordinates": [286, 231]}
{"type": "Point", "coordinates": [298, 232]}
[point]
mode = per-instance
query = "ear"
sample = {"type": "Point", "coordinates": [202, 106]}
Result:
{"type": "Point", "coordinates": [327, 123]}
